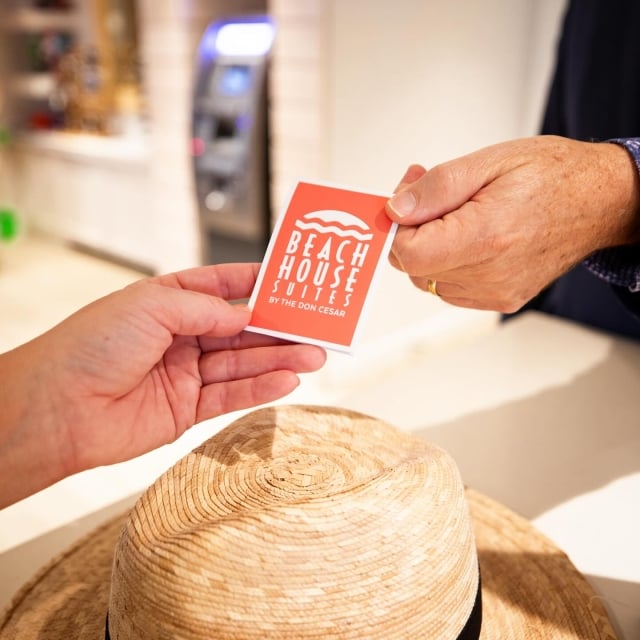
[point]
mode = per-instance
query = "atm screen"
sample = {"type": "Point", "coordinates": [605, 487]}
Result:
{"type": "Point", "coordinates": [235, 80]}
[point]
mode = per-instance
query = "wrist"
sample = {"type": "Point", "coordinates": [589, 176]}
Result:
{"type": "Point", "coordinates": [30, 455]}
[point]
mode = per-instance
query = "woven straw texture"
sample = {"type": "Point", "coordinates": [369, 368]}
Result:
{"type": "Point", "coordinates": [306, 522]}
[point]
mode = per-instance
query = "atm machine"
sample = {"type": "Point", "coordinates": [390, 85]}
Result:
{"type": "Point", "coordinates": [230, 139]}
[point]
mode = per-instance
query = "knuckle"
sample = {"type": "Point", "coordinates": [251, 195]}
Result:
{"type": "Point", "coordinates": [407, 255]}
{"type": "Point", "coordinates": [510, 301]}
{"type": "Point", "coordinates": [445, 177]}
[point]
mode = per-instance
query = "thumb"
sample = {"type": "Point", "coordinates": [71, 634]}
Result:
{"type": "Point", "coordinates": [438, 191]}
{"type": "Point", "coordinates": [187, 312]}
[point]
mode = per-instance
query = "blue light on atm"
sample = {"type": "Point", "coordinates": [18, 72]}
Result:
{"type": "Point", "coordinates": [251, 36]}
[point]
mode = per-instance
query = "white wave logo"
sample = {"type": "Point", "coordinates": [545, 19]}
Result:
{"type": "Point", "coordinates": [343, 224]}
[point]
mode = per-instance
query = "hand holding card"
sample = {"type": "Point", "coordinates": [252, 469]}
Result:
{"type": "Point", "coordinates": [320, 265]}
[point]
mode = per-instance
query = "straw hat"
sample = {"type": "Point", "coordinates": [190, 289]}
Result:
{"type": "Point", "coordinates": [301, 522]}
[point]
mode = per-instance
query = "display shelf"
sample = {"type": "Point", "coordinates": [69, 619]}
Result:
{"type": "Point", "coordinates": [32, 41]}
{"type": "Point", "coordinates": [121, 149]}
{"type": "Point", "coordinates": [38, 86]}
{"type": "Point", "coordinates": [37, 20]}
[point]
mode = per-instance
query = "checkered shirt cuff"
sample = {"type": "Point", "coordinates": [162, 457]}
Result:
{"type": "Point", "coordinates": [620, 265]}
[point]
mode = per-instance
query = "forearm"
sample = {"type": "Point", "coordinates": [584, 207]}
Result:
{"type": "Point", "coordinates": [29, 458]}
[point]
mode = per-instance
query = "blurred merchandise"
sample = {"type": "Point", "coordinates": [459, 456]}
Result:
{"type": "Point", "coordinates": [118, 39]}
{"type": "Point", "coordinates": [42, 120]}
{"type": "Point", "coordinates": [71, 66]}
{"type": "Point", "coordinates": [85, 91]}
{"type": "Point", "coordinates": [44, 50]}
{"type": "Point", "coordinates": [8, 224]}
{"type": "Point", "coordinates": [8, 216]}
{"type": "Point", "coordinates": [5, 137]}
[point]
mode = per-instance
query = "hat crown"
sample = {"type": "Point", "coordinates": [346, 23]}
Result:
{"type": "Point", "coordinates": [299, 522]}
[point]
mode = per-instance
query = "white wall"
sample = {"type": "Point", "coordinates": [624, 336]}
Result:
{"type": "Point", "coordinates": [362, 88]}
{"type": "Point", "coordinates": [376, 84]}
{"type": "Point", "coordinates": [420, 81]}
{"type": "Point", "coordinates": [425, 81]}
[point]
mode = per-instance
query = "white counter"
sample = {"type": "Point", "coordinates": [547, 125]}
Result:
{"type": "Point", "coordinates": [540, 414]}
{"type": "Point", "coordinates": [543, 416]}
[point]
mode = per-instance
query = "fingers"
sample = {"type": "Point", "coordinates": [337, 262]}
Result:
{"type": "Point", "coordinates": [244, 378]}
{"type": "Point", "coordinates": [228, 281]}
{"type": "Point", "coordinates": [453, 293]}
{"type": "Point", "coordinates": [244, 340]}
{"type": "Point", "coordinates": [220, 366]}
{"type": "Point", "coordinates": [479, 288]}
{"type": "Point", "coordinates": [216, 399]}
{"type": "Point", "coordinates": [443, 244]}
{"type": "Point", "coordinates": [437, 191]}
{"type": "Point", "coordinates": [194, 301]}
{"type": "Point", "coordinates": [185, 312]}
{"type": "Point", "coordinates": [423, 196]}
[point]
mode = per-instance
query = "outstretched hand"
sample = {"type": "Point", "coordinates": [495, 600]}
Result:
{"type": "Point", "coordinates": [495, 227]}
{"type": "Point", "coordinates": [134, 370]}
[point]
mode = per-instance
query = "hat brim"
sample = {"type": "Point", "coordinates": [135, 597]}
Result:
{"type": "Point", "coordinates": [530, 588]}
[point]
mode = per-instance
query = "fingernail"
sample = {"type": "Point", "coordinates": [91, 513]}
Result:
{"type": "Point", "coordinates": [403, 203]}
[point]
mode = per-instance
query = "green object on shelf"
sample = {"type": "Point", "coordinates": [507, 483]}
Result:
{"type": "Point", "coordinates": [5, 137]}
{"type": "Point", "coordinates": [8, 224]}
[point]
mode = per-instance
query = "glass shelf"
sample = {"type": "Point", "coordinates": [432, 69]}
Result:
{"type": "Point", "coordinates": [38, 86]}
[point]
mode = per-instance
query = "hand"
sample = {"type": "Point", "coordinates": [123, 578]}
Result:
{"type": "Point", "coordinates": [134, 370]}
{"type": "Point", "coordinates": [495, 227]}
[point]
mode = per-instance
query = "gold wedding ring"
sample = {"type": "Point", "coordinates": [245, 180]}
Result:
{"type": "Point", "coordinates": [431, 287]}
